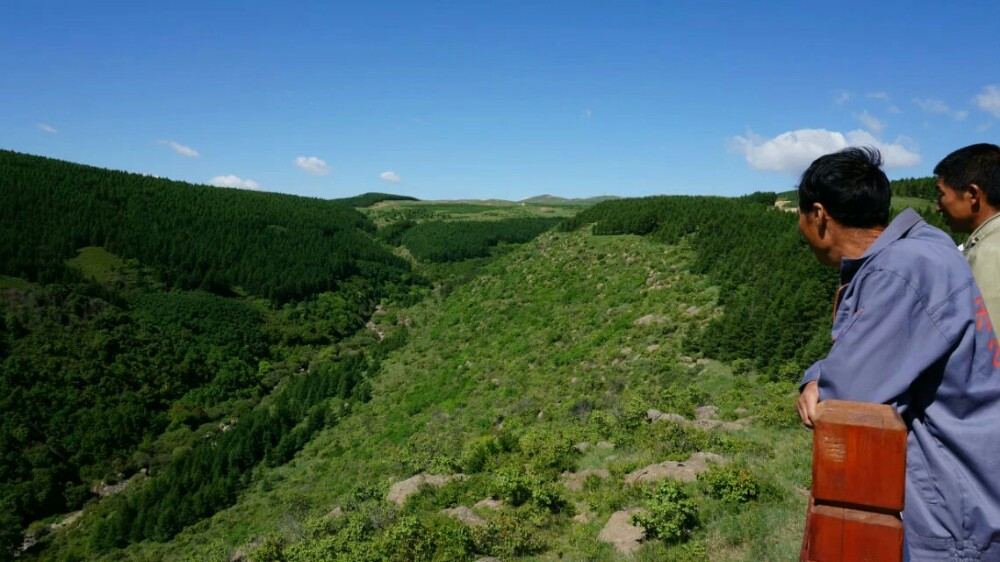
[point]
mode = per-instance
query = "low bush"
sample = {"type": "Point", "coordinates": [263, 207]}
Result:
{"type": "Point", "coordinates": [731, 484]}
{"type": "Point", "coordinates": [670, 514]}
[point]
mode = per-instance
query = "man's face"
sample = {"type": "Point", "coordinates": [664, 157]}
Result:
{"type": "Point", "coordinates": [956, 207]}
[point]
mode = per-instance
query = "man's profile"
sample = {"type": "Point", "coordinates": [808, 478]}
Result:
{"type": "Point", "coordinates": [968, 184]}
{"type": "Point", "coordinates": [907, 333]}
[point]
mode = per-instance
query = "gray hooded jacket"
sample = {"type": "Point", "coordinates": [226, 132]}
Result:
{"type": "Point", "coordinates": [911, 330]}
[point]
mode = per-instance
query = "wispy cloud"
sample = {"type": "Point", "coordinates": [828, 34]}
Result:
{"type": "Point", "coordinates": [47, 128]}
{"type": "Point", "coordinates": [895, 109]}
{"type": "Point", "coordinates": [791, 152]}
{"type": "Point", "coordinates": [587, 114]}
{"type": "Point", "coordinates": [180, 148]}
{"type": "Point", "coordinates": [931, 105]}
{"type": "Point", "coordinates": [985, 126]}
{"type": "Point", "coordinates": [878, 96]}
{"type": "Point", "coordinates": [842, 97]}
{"type": "Point", "coordinates": [312, 165]}
{"type": "Point", "coordinates": [391, 177]}
{"type": "Point", "coordinates": [989, 100]}
{"type": "Point", "coordinates": [870, 122]}
{"type": "Point", "coordinates": [234, 181]}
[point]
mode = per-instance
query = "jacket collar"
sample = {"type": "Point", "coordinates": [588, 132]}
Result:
{"type": "Point", "coordinates": [990, 226]}
{"type": "Point", "coordinates": [900, 227]}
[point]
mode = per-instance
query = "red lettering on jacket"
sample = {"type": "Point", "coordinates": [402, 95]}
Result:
{"type": "Point", "coordinates": [983, 324]}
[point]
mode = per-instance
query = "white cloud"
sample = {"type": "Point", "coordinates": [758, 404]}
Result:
{"type": "Point", "coordinates": [842, 98]}
{"type": "Point", "coordinates": [930, 105]}
{"type": "Point", "coordinates": [234, 181]}
{"type": "Point", "coordinates": [391, 176]}
{"type": "Point", "coordinates": [47, 128]}
{"type": "Point", "coordinates": [791, 152]}
{"type": "Point", "coordinates": [870, 122]}
{"type": "Point", "coordinates": [180, 148]}
{"type": "Point", "coordinates": [312, 165]}
{"type": "Point", "coordinates": [895, 109]}
{"type": "Point", "coordinates": [989, 100]}
{"type": "Point", "coordinates": [878, 96]}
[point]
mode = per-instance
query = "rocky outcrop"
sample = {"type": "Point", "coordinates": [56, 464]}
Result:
{"type": "Point", "coordinates": [488, 503]}
{"type": "Point", "coordinates": [705, 418]}
{"type": "Point", "coordinates": [621, 533]}
{"type": "Point", "coordinates": [575, 480]}
{"type": "Point", "coordinates": [685, 471]}
{"type": "Point", "coordinates": [464, 515]}
{"type": "Point", "coordinates": [400, 491]}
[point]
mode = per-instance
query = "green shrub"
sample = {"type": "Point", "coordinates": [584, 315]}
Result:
{"type": "Point", "coordinates": [671, 515]}
{"type": "Point", "coordinates": [477, 453]}
{"type": "Point", "coordinates": [507, 536]}
{"type": "Point", "coordinates": [732, 484]}
{"type": "Point", "coordinates": [547, 450]}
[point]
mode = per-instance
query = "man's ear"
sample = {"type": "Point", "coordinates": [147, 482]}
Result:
{"type": "Point", "coordinates": [975, 193]}
{"type": "Point", "coordinates": [821, 216]}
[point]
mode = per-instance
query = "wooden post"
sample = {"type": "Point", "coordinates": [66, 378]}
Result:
{"type": "Point", "coordinates": [858, 484]}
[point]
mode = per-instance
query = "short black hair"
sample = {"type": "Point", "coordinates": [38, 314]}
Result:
{"type": "Point", "coordinates": [850, 185]}
{"type": "Point", "coordinates": [976, 163]}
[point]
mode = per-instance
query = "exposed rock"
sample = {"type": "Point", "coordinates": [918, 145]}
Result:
{"type": "Point", "coordinates": [106, 490]}
{"type": "Point", "coordinates": [692, 310]}
{"type": "Point", "coordinates": [621, 533]}
{"type": "Point", "coordinates": [574, 380]}
{"type": "Point", "coordinates": [741, 411]}
{"type": "Point", "coordinates": [706, 413]}
{"type": "Point", "coordinates": [583, 514]}
{"type": "Point", "coordinates": [488, 503]}
{"type": "Point", "coordinates": [719, 424]}
{"type": "Point", "coordinates": [575, 480]}
{"type": "Point", "coordinates": [705, 419]}
{"type": "Point", "coordinates": [582, 446]}
{"type": "Point", "coordinates": [604, 445]}
{"type": "Point", "coordinates": [66, 521]}
{"type": "Point", "coordinates": [488, 559]}
{"type": "Point", "coordinates": [655, 416]}
{"type": "Point", "coordinates": [650, 319]}
{"type": "Point", "coordinates": [335, 513]}
{"type": "Point", "coordinates": [686, 471]}
{"type": "Point", "coordinates": [374, 328]}
{"type": "Point", "coordinates": [241, 553]}
{"type": "Point", "coordinates": [465, 515]}
{"type": "Point", "coordinates": [541, 414]}
{"type": "Point", "coordinates": [626, 350]}
{"type": "Point", "coordinates": [652, 347]}
{"type": "Point", "coordinates": [400, 491]}
{"type": "Point", "coordinates": [702, 361]}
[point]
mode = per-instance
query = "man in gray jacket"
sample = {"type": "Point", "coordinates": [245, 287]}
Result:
{"type": "Point", "coordinates": [968, 183]}
{"type": "Point", "coordinates": [909, 330]}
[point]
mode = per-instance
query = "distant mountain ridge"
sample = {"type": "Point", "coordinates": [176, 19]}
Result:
{"type": "Point", "coordinates": [546, 199]}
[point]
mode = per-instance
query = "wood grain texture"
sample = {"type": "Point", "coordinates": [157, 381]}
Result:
{"type": "Point", "coordinates": [859, 475]}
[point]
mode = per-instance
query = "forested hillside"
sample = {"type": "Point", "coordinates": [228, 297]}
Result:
{"type": "Point", "coordinates": [775, 296]}
{"type": "Point", "coordinates": [124, 335]}
{"type": "Point", "coordinates": [528, 377]}
{"type": "Point", "coordinates": [276, 246]}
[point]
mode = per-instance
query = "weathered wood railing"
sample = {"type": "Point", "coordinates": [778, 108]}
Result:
{"type": "Point", "coordinates": [858, 484]}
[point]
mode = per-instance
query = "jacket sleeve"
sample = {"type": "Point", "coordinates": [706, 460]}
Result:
{"type": "Point", "coordinates": [882, 349]}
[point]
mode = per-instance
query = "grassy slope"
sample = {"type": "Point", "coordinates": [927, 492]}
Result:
{"type": "Point", "coordinates": [391, 211]}
{"type": "Point", "coordinates": [545, 328]}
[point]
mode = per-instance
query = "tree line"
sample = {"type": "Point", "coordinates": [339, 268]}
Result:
{"type": "Point", "coordinates": [281, 247]}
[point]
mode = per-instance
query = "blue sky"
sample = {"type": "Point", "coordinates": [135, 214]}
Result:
{"type": "Point", "coordinates": [496, 99]}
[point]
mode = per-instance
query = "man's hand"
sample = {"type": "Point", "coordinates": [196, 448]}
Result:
{"type": "Point", "coordinates": [806, 405]}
